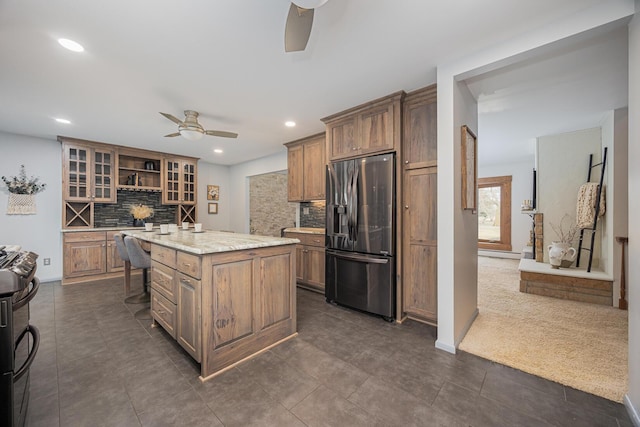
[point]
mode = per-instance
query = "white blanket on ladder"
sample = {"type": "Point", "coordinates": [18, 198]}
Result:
{"type": "Point", "coordinates": [586, 207]}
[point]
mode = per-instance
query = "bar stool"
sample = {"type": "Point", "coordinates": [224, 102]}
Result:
{"type": "Point", "coordinates": [139, 258]}
{"type": "Point", "coordinates": [122, 251]}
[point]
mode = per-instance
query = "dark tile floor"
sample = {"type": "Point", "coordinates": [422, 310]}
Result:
{"type": "Point", "coordinates": [98, 366]}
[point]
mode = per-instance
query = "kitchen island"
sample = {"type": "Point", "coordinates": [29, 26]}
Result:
{"type": "Point", "coordinates": [225, 297]}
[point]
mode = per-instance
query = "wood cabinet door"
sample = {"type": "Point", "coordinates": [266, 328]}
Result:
{"type": "Point", "coordinates": [419, 252]}
{"type": "Point", "coordinates": [314, 169]}
{"type": "Point", "coordinates": [85, 258]}
{"type": "Point", "coordinates": [420, 137]}
{"type": "Point", "coordinates": [189, 308]}
{"type": "Point", "coordinates": [189, 182]}
{"type": "Point", "coordinates": [375, 131]}
{"type": "Point", "coordinates": [295, 173]}
{"type": "Point", "coordinates": [77, 173]}
{"type": "Point", "coordinates": [341, 138]}
{"type": "Point", "coordinates": [300, 262]}
{"type": "Point", "coordinates": [314, 268]}
{"type": "Point", "coordinates": [103, 169]}
{"type": "Point", "coordinates": [114, 262]}
{"type": "Point", "coordinates": [172, 173]}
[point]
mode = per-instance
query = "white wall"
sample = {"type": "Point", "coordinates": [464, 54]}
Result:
{"type": "Point", "coordinates": [239, 186]}
{"type": "Point", "coordinates": [449, 228]}
{"type": "Point", "coordinates": [210, 174]}
{"type": "Point", "coordinates": [39, 233]}
{"type": "Point", "coordinates": [563, 164]}
{"type": "Point", "coordinates": [521, 189]}
{"type": "Point", "coordinates": [615, 135]}
{"type": "Point", "coordinates": [632, 400]}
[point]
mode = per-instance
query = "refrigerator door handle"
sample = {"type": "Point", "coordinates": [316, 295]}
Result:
{"type": "Point", "coordinates": [359, 258]}
{"type": "Point", "coordinates": [354, 208]}
{"type": "Point", "coordinates": [349, 206]}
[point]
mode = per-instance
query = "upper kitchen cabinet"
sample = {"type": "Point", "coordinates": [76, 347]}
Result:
{"type": "Point", "coordinates": [88, 172]}
{"type": "Point", "coordinates": [139, 170]}
{"type": "Point", "coordinates": [370, 128]}
{"type": "Point", "coordinates": [180, 182]}
{"type": "Point", "coordinates": [306, 165]}
{"type": "Point", "coordinates": [420, 139]}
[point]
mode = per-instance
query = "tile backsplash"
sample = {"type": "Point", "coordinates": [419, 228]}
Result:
{"type": "Point", "coordinates": [316, 216]}
{"type": "Point", "coordinates": [117, 214]}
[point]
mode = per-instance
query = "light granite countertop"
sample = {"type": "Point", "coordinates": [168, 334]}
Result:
{"type": "Point", "coordinates": [208, 241]}
{"type": "Point", "coordinates": [307, 230]}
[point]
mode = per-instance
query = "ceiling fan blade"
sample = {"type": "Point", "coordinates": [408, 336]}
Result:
{"type": "Point", "coordinates": [221, 133]}
{"type": "Point", "coordinates": [172, 118]}
{"type": "Point", "coordinates": [173, 134]}
{"type": "Point", "coordinates": [298, 28]}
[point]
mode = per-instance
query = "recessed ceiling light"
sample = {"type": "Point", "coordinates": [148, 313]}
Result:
{"type": "Point", "coordinates": [65, 121]}
{"type": "Point", "coordinates": [290, 124]}
{"type": "Point", "coordinates": [71, 45]}
{"type": "Point", "coordinates": [217, 150]}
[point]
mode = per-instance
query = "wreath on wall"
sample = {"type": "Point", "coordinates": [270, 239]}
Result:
{"type": "Point", "coordinates": [22, 191]}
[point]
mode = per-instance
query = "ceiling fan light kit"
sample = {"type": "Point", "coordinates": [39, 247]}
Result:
{"type": "Point", "coordinates": [191, 135]}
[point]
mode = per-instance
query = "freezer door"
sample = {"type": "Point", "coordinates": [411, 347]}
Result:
{"type": "Point", "coordinates": [361, 281]}
{"type": "Point", "coordinates": [339, 211]}
{"type": "Point", "coordinates": [374, 202]}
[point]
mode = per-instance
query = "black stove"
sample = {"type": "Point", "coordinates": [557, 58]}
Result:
{"type": "Point", "coordinates": [19, 340]}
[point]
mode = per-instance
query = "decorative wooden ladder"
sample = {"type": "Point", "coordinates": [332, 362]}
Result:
{"type": "Point", "coordinates": [595, 220]}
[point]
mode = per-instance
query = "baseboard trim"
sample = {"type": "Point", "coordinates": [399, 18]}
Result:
{"type": "Point", "coordinates": [452, 348]}
{"type": "Point", "coordinates": [633, 414]}
{"type": "Point", "coordinates": [446, 347]}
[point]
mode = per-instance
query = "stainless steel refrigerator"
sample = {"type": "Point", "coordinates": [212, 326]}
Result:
{"type": "Point", "coordinates": [360, 263]}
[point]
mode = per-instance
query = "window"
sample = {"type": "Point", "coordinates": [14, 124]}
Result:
{"type": "Point", "coordinates": [494, 213]}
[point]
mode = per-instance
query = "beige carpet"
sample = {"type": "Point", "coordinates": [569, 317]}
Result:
{"type": "Point", "coordinates": [580, 345]}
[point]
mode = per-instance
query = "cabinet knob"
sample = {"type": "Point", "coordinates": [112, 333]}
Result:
{"type": "Point", "coordinates": [406, 206]}
{"type": "Point", "coordinates": [406, 162]}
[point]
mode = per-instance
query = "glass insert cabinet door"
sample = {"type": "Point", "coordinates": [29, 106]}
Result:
{"type": "Point", "coordinates": [188, 183]}
{"type": "Point", "coordinates": [103, 170]}
{"type": "Point", "coordinates": [77, 186]}
{"type": "Point", "coordinates": [172, 182]}
{"type": "Point", "coordinates": [89, 174]}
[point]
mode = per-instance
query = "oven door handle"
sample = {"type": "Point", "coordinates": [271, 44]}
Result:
{"type": "Point", "coordinates": [32, 355]}
{"type": "Point", "coordinates": [32, 293]}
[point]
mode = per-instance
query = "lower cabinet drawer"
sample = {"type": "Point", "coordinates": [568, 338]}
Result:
{"type": "Point", "coordinates": [164, 312]}
{"type": "Point", "coordinates": [163, 281]}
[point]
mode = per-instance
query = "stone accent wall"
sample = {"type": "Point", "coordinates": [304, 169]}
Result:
{"type": "Point", "coordinates": [316, 216]}
{"type": "Point", "coordinates": [269, 210]}
{"type": "Point", "coordinates": [117, 214]}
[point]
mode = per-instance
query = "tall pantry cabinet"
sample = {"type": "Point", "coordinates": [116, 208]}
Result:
{"type": "Point", "coordinates": [419, 205]}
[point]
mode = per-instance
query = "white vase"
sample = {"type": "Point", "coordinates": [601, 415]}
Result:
{"type": "Point", "coordinates": [559, 252]}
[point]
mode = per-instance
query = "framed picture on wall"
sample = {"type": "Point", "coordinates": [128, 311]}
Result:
{"type": "Point", "coordinates": [213, 192]}
{"type": "Point", "coordinates": [213, 208]}
{"type": "Point", "coordinates": [469, 168]}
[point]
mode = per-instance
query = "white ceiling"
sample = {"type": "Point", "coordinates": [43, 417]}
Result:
{"type": "Point", "coordinates": [225, 59]}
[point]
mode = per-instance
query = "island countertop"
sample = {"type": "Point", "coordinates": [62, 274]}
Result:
{"type": "Point", "coordinates": [208, 241]}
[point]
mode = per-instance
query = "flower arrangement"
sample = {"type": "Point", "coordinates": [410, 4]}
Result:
{"type": "Point", "coordinates": [566, 230]}
{"type": "Point", "coordinates": [141, 211]}
{"type": "Point", "coordinates": [22, 185]}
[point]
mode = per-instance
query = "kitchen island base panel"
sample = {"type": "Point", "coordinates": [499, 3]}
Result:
{"type": "Point", "coordinates": [233, 365]}
{"type": "Point", "coordinates": [249, 304]}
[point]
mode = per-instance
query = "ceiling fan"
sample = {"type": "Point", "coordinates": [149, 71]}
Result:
{"type": "Point", "coordinates": [299, 23]}
{"type": "Point", "coordinates": [192, 130]}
